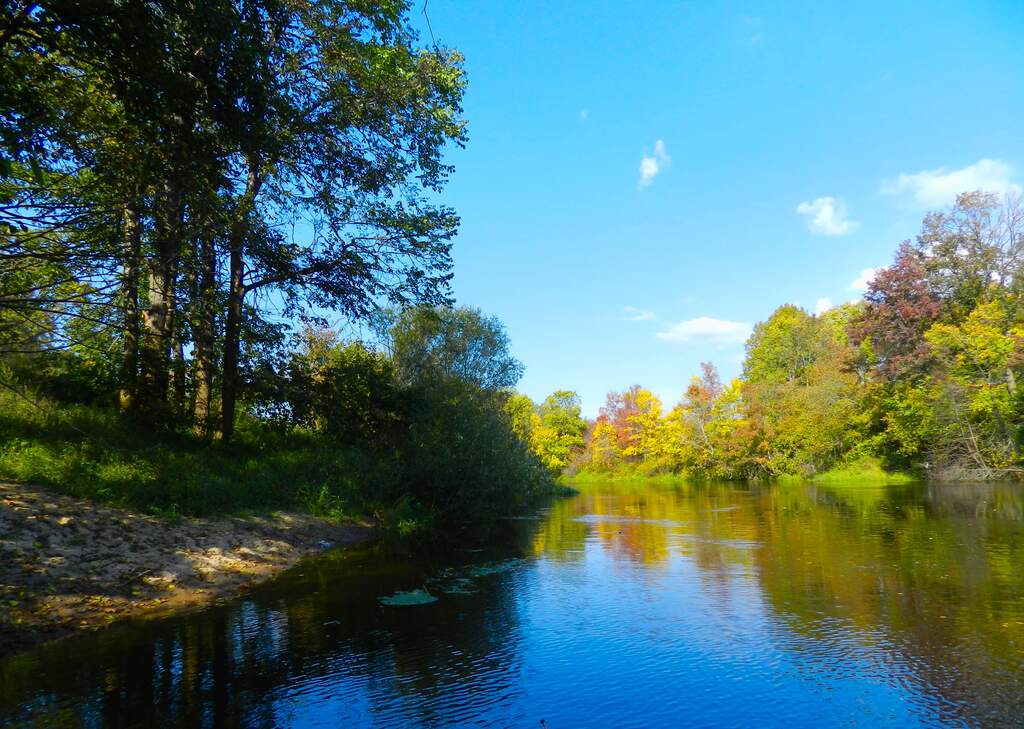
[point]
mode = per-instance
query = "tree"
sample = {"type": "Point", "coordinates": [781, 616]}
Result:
{"type": "Point", "coordinates": [558, 429]}
{"type": "Point", "coordinates": [520, 410]}
{"type": "Point", "coordinates": [800, 396]}
{"type": "Point", "coordinates": [174, 171]}
{"type": "Point", "coordinates": [977, 403]}
{"type": "Point", "coordinates": [602, 451]}
{"type": "Point", "coordinates": [344, 133]}
{"type": "Point", "coordinates": [971, 247]}
{"type": "Point", "coordinates": [900, 308]}
{"type": "Point", "coordinates": [619, 411]}
{"type": "Point", "coordinates": [436, 344]}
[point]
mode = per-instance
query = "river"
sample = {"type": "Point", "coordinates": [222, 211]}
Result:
{"type": "Point", "coordinates": [629, 605]}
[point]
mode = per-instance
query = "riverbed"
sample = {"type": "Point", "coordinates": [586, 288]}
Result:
{"type": "Point", "coordinates": [628, 605]}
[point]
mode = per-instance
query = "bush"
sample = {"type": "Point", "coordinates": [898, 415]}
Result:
{"type": "Point", "coordinates": [462, 458]}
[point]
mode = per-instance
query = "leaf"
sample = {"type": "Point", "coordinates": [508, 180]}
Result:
{"type": "Point", "coordinates": [407, 598]}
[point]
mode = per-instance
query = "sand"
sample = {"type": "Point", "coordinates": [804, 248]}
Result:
{"type": "Point", "coordinates": [68, 564]}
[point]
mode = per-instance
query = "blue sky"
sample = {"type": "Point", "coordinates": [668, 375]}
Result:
{"type": "Point", "coordinates": [644, 181]}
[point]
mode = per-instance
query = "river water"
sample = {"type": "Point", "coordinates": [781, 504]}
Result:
{"type": "Point", "coordinates": [626, 606]}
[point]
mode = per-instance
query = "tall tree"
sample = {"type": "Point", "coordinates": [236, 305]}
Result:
{"type": "Point", "coordinates": [436, 344]}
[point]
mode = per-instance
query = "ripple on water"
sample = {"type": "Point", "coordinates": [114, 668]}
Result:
{"type": "Point", "coordinates": [788, 608]}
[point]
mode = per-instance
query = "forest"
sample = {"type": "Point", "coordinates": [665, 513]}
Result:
{"type": "Point", "coordinates": [194, 197]}
{"type": "Point", "coordinates": [225, 283]}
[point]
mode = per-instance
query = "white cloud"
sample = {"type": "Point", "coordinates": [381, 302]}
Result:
{"type": "Point", "coordinates": [584, 114]}
{"type": "Point", "coordinates": [860, 283]}
{"type": "Point", "coordinates": [826, 216]}
{"type": "Point", "coordinates": [752, 27]}
{"type": "Point", "coordinates": [635, 314]}
{"type": "Point", "coordinates": [652, 165]}
{"type": "Point", "coordinates": [822, 305]}
{"type": "Point", "coordinates": [937, 188]}
{"type": "Point", "coordinates": [707, 329]}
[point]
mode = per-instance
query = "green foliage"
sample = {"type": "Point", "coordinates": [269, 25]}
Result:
{"type": "Point", "coordinates": [462, 457]}
{"type": "Point", "coordinates": [92, 452]}
{"type": "Point", "coordinates": [344, 390]}
{"type": "Point", "coordinates": [558, 429]}
{"type": "Point", "coordinates": [158, 160]}
{"type": "Point", "coordinates": [333, 432]}
{"type": "Point", "coordinates": [867, 470]}
{"type": "Point", "coordinates": [554, 430]}
{"type": "Point", "coordinates": [157, 164]}
{"type": "Point", "coordinates": [431, 344]}
{"type": "Point", "coordinates": [782, 349]}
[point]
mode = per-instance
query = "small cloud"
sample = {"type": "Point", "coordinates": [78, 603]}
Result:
{"type": "Point", "coordinates": [826, 216]}
{"type": "Point", "coordinates": [584, 114]}
{"type": "Point", "coordinates": [635, 314]}
{"type": "Point", "coordinates": [751, 26]}
{"type": "Point", "coordinates": [707, 329]}
{"type": "Point", "coordinates": [860, 284]}
{"type": "Point", "coordinates": [822, 305]}
{"type": "Point", "coordinates": [937, 188]}
{"type": "Point", "coordinates": [652, 165]}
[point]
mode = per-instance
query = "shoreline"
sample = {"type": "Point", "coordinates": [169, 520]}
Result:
{"type": "Point", "coordinates": [68, 565]}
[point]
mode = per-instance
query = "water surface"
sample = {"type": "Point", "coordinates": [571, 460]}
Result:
{"type": "Point", "coordinates": [628, 605]}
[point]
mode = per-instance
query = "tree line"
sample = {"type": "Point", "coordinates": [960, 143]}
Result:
{"type": "Point", "coordinates": [920, 376]}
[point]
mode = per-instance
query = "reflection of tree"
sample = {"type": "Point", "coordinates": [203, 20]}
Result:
{"type": "Point", "coordinates": [229, 665]}
{"type": "Point", "coordinates": [561, 536]}
{"type": "Point", "coordinates": [935, 572]}
{"type": "Point", "coordinates": [640, 523]}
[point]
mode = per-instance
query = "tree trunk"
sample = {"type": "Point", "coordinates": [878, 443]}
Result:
{"type": "Point", "coordinates": [232, 330]}
{"type": "Point", "coordinates": [158, 318]}
{"type": "Point", "coordinates": [203, 328]}
{"type": "Point", "coordinates": [178, 370]}
{"type": "Point", "coordinates": [236, 296]}
{"type": "Point", "coordinates": [130, 297]}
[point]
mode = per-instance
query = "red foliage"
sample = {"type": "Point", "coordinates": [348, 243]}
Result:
{"type": "Point", "coordinates": [900, 308]}
{"type": "Point", "coordinates": [619, 410]}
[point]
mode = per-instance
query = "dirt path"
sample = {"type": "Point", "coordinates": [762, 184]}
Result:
{"type": "Point", "coordinates": [68, 564]}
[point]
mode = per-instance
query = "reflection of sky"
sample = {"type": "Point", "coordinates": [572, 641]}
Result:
{"type": "Point", "coordinates": [658, 643]}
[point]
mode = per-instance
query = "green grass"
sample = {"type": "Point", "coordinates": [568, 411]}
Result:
{"type": "Point", "coordinates": [93, 453]}
{"type": "Point", "coordinates": [862, 472]}
{"type": "Point", "coordinates": [624, 475]}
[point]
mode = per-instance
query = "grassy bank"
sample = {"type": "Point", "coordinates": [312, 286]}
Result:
{"type": "Point", "coordinates": [93, 453]}
{"type": "Point", "coordinates": [454, 462]}
{"type": "Point", "coordinates": [621, 475]}
{"type": "Point", "coordinates": [863, 472]}
{"type": "Point", "coordinates": [867, 471]}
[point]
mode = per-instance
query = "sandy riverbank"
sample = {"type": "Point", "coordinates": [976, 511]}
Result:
{"type": "Point", "coordinates": [68, 564]}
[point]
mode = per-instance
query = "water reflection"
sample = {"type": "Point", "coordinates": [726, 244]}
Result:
{"type": "Point", "coordinates": [629, 605]}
